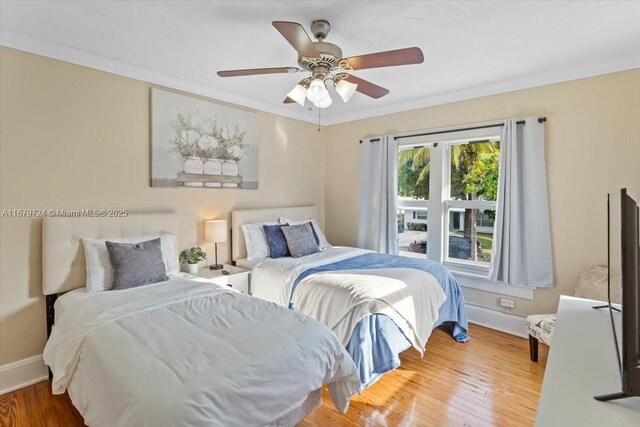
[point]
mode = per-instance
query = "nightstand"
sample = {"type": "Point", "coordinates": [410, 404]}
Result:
{"type": "Point", "coordinates": [238, 277]}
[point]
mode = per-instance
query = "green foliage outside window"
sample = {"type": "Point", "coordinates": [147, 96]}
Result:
{"type": "Point", "coordinates": [413, 173]}
{"type": "Point", "coordinates": [474, 171]}
{"type": "Point", "coordinates": [474, 176]}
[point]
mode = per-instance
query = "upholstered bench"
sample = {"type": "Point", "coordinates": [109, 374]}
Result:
{"type": "Point", "coordinates": [540, 329]}
{"type": "Point", "coordinates": [592, 285]}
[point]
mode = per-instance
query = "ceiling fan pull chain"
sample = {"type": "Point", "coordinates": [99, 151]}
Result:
{"type": "Point", "coordinates": [319, 112]}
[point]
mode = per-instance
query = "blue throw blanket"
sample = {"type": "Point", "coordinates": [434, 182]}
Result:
{"type": "Point", "coordinates": [452, 313]}
{"type": "Point", "coordinates": [375, 347]}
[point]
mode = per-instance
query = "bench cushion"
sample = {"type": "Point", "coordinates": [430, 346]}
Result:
{"type": "Point", "coordinates": [540, 326]}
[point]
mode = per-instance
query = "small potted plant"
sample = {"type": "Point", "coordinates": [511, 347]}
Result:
{"type": "Point", "coordinates": [191, 258]}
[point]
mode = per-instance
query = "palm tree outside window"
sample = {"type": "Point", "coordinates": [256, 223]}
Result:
{"type": "Point", "coordinates": [465, 195]}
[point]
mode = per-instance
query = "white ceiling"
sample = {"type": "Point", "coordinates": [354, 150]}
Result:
{"type": "Point", "coordinates": [471, 48]}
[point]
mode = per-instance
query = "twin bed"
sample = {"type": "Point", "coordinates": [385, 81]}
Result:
{"type": "Point", "coordinates": [378, 305]}
{"type": "Point", "coordinates": [188, 352]}
{"type": "Point", "coordinates": [182, 351]}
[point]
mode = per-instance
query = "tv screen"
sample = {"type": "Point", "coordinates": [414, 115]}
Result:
{"type": "Point", "coordinates": [630, 258]}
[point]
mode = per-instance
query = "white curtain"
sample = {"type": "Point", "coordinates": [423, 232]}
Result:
{"type": "Point", "coordinates": [377, 218]}
{"type": "Point", "coordinates": [521, 252]}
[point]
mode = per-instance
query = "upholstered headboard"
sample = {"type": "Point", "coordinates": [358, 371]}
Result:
{"type": "Point", "coordinates": [249, 216]}
{"type": "Point", "coordinates": [63, 263]}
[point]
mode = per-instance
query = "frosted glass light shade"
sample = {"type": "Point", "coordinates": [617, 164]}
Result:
{"type": "Point", "coordinates": [298, 94]}
{"type": "Point", "coordinates": [215, 230]}
{"type": "Point", "coordinates": [317, 91]}
{"type": "Point", "coordinates": [346, 89]}
{"type": "Point", "coordinates": [324, 103]}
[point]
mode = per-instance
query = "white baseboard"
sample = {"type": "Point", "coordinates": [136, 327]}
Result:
{"type": "Point", "coordinates": [22, 373]}
{"type": "Point", "coordinates": [503, 322]}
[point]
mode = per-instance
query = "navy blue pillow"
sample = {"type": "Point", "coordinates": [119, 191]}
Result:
{"type": "Point", "coordinates": [276, 241]}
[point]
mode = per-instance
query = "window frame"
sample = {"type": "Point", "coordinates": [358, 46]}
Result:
{"type": "Point", "coordinates": [440, 200]}
{"type": "Point", "coordinates": [467, 278]}
{"type": "Point", "coordinates": [426, 202]}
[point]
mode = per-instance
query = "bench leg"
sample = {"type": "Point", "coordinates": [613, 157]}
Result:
{"type": "Point", "coordinates": [533, 348]}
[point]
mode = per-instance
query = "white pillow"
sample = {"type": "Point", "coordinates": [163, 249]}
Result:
{"type": "Point", "coordinates": [256, 240]}
{"type": "Point", "coordinates": [324, 244]}
{"type": "Point", "coordinates": [99, 269]}
{"type": "Point", "coordinates": [593, 285]}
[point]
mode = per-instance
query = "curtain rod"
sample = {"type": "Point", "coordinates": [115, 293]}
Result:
{"type": "Point", "coordinates": [519, 122]}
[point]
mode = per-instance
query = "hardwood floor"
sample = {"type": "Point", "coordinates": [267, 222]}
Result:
{"type": "Point", "coordinates": [488, 381]}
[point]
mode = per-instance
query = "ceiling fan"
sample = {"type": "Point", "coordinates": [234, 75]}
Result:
{"type": "Point", "coordinates": [325, 63]}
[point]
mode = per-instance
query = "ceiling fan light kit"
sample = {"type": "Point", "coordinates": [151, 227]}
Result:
{"type": "Point", "coordinates": [324, 62]}
{"type": "Point", "coordinates": [346, 89]}
{"type": "Point", "coordinates": [298, 94]}
{"type": "Point", "coordinates": [324, 102]}
{"type": "Point", "coordinates": [317, 91]}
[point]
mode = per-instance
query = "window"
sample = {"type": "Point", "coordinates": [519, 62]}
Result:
{"type": "Point", "coordinates": [472, 189]}
{"type": "Point", "coordinates": [420, 215]}
{"type": "Point", "coordinates": [485, 219]}
{"type": "Point", "coordinates": [460, 170]}
{"type": "Point", "coordinates": [413, 199]}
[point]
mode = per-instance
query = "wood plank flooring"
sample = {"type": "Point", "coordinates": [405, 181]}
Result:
{"type": "Point", "coordinates": [488, 381]}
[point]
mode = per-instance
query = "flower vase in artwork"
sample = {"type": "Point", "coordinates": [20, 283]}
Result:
{"type": "Point", "coordinates": [230, 168]}
{"type": "Point", "coordinates": [193, 165]}
{"type": "Point", "coordinates": [212, 167]}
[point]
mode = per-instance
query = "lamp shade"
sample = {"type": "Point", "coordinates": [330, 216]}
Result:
{"type": "Point", "coordinates": [215, 230]}
{"type": "Point", "coordinates": [298, 94]}
{"type": "Point", "coordinates": [324, 103]}
{"type": "Point", "coordinates": [317, 91]}
{"type": "Point", "coordinates": [346, 89]}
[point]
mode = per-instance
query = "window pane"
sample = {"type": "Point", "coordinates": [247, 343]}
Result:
{"type": "Point", "coordinates": [474, 170]}
{"type": "Point", "coordinates": [413, 200]}
{"type": "Point", "coordinates": [412, 227]}
{"type": "Point", "coordinates": [413, 172]}
{"type": "Point", "coordinates": [470, 234]}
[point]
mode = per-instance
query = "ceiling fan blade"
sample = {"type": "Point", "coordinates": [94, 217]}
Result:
{"type": "Point", "coordinates": [255, 71]}
{"type": "Point", "coordinates": [410, 55]}
{"type": "Point", "coordinates": [297, 37]}
{"type": "Point", "coordinates": [288, 100]}
{"type": "Point", "coordinates": [367, 88]}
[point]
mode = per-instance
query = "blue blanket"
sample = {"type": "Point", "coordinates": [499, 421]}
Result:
{"type": "Point", "coordinates": [452, 313]}
{"type": "Point", "coordinates": [375, 347]}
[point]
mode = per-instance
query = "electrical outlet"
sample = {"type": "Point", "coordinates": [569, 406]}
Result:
{"type": "Point", "coordinates": [507, 303]}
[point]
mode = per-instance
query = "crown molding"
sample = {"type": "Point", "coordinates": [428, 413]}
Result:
{"type": "Point", "coordinates": [115, 66]}
{"type": "Point", "coordinates": [591, 69]}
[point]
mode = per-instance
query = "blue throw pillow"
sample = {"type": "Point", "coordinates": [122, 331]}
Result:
{"type": "Point", "coordinates": [275, 240]}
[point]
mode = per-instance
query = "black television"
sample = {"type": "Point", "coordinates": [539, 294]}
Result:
{"type": "Point", "coordinates": [629, 357]}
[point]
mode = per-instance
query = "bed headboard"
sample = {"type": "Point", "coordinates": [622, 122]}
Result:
{"type": "Point", "coordinates": [63, 263]}
{"type": "Point", "coordinates": [249, 216]}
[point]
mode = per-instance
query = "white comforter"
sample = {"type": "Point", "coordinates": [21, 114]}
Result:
{"type": "Point", "coordinates": [340, 299]}
{"type": "Point", "coordinates": [184, 352]}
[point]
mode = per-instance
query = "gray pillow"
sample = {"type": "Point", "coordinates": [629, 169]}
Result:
{"type": "Point", "coordinates": [300, 240]}
{"type": "Point", "coordinates": [136, 264]}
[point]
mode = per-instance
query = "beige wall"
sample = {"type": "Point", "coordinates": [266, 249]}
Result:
{"type": "Point", "coordinates": [73, 137]}
{"type": "Point", "coordinates": [592, 147]}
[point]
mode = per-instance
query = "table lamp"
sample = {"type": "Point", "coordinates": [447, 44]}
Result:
{"type": "Point", "coordinates": [215, 231]}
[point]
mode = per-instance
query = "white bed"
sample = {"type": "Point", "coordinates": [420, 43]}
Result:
{"type": "Point", "coordinates": [411, 296]}
{"type": "Point", "coordinates": [183, 351]}
{"type": "Point", "coordinates": [341, 299]}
